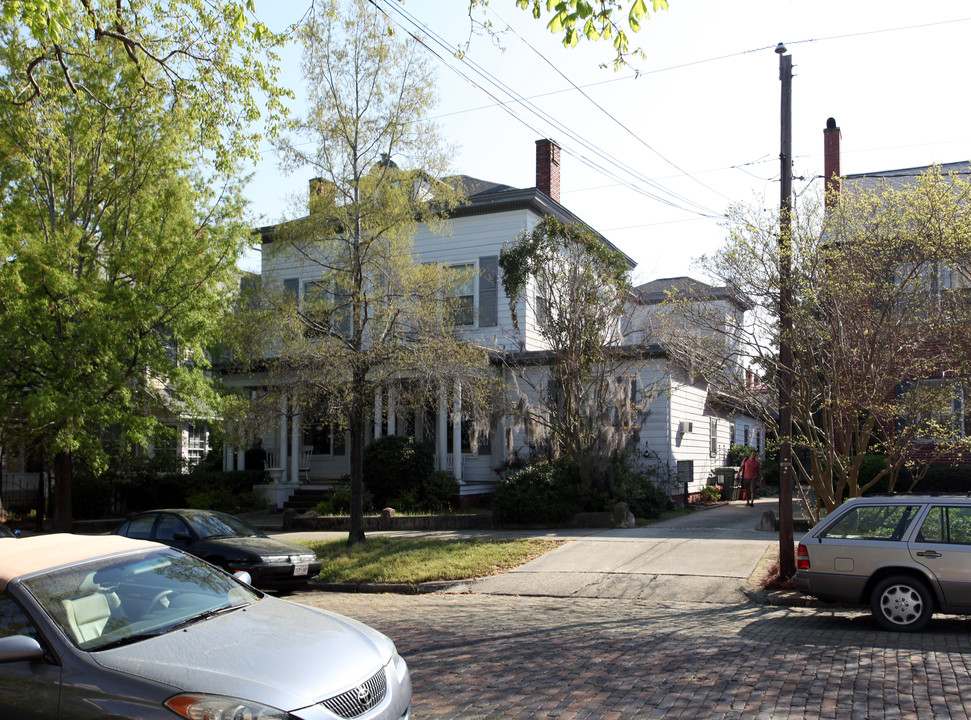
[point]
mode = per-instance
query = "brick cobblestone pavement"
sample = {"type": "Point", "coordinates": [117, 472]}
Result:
{"type": "Point", "coordinates": [487, 657]}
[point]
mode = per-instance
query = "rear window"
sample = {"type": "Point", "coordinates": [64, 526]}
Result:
{"type": "Point", "coordinates": [872, 522]}
{"type": "Point", "coordinates": [947, 525]}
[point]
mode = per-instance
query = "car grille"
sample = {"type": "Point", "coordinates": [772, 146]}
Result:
{"type": "Point", "coordinates": [359, 700]}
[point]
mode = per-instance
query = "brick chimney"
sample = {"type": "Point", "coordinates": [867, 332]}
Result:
{"type": "Point", "coordinates": [831, 161]}
{"type": "Point", "coordinates": [548, 168]}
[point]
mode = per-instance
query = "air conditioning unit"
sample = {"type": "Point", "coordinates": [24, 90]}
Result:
{"type": "Point", "coordinates": [684, 427]}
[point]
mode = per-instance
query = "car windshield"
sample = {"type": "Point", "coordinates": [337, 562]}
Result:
{"type": "Point", "coordinates": [116, 600]}
{"type": "Point", "coordinates": [209, 525]}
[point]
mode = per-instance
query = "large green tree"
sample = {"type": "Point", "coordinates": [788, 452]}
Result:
{"type": "Point", "coordinates": [214, 56]}
{"type": "Point", "coordinates": [881, 333]}
{"type": "Point", "coordinates": [373, 317]}
{"type": "Point", "coordinates": [116, 257]}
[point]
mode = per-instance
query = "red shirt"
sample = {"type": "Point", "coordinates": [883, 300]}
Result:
{"type": "Point", "coordinates": [751, 468]}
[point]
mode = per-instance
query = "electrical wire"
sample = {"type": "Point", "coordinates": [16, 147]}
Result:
{"type": "Point", "coordinates": [603, 110]}
{"type": "Point", "coordinates": [576, 138]}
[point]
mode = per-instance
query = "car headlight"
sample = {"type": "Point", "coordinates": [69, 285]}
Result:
{"type": "Point", "coordinates": [194, 706]}
{"type": "Point", "coordinates": [276, 559]}
{"type": "Point", "coordinates": [399, 665]}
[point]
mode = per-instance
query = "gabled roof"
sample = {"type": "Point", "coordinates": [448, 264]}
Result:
{"type": "Point", "coordinates": [657, 291]}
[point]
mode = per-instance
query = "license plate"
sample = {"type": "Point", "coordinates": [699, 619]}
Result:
{"type": "Point", "coordinates": [301, 568]}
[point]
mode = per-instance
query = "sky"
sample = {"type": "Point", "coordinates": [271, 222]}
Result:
{"type": "Point", "coordinates": [653, 159]}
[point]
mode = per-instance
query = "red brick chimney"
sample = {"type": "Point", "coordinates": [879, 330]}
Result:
{"type": "Point", "coordinates": [548, 168]}
{"type": "Point", "coordinates": [831, 161]}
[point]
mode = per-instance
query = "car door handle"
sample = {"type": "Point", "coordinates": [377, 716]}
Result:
{"type": "Point", "coordinates": [929, 554]}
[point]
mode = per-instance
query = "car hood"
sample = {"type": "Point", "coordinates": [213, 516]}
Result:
{"type": "Point", "coordinates": [274, 651]}
{"type": "Point", "coordinates": [261, 545]}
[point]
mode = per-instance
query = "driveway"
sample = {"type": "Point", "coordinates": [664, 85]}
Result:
{"type": "Point", "coordinates": [708, 556]}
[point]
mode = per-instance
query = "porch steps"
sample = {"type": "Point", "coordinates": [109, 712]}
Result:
{"type": "Point", "coordinates": [306, 497]}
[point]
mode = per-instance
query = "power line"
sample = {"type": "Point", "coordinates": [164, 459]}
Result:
{"type": "Point", "coordinates": [597, 105]}
{"type": "Point", "coordinates": [538, 112]}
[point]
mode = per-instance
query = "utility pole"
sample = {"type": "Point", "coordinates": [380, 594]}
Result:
{"type": "Point", "coordinates": [787, 559]}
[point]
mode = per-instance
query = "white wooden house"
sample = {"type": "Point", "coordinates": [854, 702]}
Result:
{"type": "Point", "coordinates": [681, 431]}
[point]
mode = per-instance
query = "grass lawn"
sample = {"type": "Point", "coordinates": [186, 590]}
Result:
{"type": "Point", "coordinates": [415, 560]}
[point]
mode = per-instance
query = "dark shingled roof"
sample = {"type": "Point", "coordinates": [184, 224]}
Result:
{"type": "Point", "coordinates": [484, 197]}
{"type": "Point", "coordinates": [656, 291]}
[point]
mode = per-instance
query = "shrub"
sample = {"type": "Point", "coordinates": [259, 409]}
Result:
{"type": "Point", "coordinates": [132, 484]}
{"type": "Point", "coordinates": [711, 493]}
{"type": "Point", "coordinates": [128, 484]}
{"type": "Point", "coordinates": [871, 466]}
{"type": "Point", "coordinates": [643, 489]}
{"type": "Point", "coordinates": [339, 502]}
{"type": "Point", "coordinates": [224, 499]}
{"type": "Point", "coordinates": [940, 478]}
{"type": "Point", "coordinates": [438, 490]}
{"type": "Point", "coordinates": [541, 493]}
{"type": "Point", "coordinates": [394, 465]}
{"type": "Point", "coordinates": [737, 453]}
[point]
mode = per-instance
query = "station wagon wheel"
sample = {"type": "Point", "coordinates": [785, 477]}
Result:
{"type": "Point", "coordinates": [901, 603]}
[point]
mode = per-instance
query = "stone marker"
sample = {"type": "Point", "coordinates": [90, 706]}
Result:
{"type": "Point", "coordinates": [623, 517]}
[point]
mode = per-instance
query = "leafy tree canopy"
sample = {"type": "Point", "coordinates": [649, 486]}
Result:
{"type": "Point", "coordinates": [213, 56]}
{"type": "Point", "coordinates": [593, 20]}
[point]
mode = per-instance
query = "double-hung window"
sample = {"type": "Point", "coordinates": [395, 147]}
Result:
{"type": "Point", "coordinates": [461, 294]}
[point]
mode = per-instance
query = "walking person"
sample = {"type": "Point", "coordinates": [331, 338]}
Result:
{"type": "Point", "coordinates": [751, 473]}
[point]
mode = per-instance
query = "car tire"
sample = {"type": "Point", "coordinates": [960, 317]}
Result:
{"type": "Point", "coordinates": [901, 603]}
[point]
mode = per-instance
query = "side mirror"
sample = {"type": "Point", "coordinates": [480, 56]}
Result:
{"type": "Point", "coordinates": [17, 648]}
{"type": "Point", "coordinates": [243, 577]}
{"type": "Point", "coordinates": [182, 536]}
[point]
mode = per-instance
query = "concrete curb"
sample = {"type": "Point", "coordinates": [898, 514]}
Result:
{"type": "Point", "coordinates": [423, 588]}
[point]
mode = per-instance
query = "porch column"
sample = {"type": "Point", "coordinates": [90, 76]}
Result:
{"type": "Point", "coordinates": [296, 438]}
{"type": "Point", "coordinates": [227, 457]}
{"type": "Point", "coordinates": [283, 435]}
{"type": "Point", "coordinates": [377, 413]}
{"type": "Point", "coordinates": [392, 411]}
{"type": "Point", "coordinates": [457, 431]}
{"type": "Point", "coordinates": [442, 434]}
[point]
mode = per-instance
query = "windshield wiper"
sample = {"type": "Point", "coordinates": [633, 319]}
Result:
{"type": "Point", "coordinates": [128, 640]}
{"type": "Point", "coordinates": [206, 615]}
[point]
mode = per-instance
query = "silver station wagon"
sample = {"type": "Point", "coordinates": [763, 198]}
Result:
{"type": "Point", "coordinates": [907, 556]}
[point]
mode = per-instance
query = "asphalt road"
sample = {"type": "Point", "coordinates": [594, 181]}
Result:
{"type": "Point", "coordinates": [502, 656]}
{"type": "Point", "coordinates": [653, 623]}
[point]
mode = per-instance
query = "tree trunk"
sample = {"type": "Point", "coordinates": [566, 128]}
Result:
{"type": "Point", "coordinates": [356, 420]}
{"type": "Point", "coordinates": [63, 473]}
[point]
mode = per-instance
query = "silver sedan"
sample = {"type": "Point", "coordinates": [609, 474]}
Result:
{"type": "Point", "coordinates": [94, 627]}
